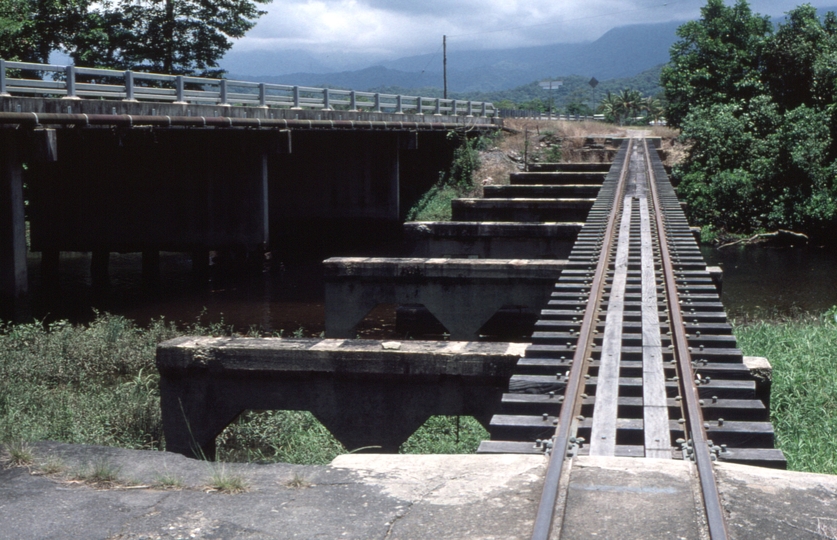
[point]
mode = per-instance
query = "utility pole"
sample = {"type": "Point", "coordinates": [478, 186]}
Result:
{"type": "Point", "coordinates": [550, 84]}
{"type": "Point", "coordinates": [445, 63]}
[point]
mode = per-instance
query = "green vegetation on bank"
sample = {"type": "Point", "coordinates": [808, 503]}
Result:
{"type": "Point", "coordinates": [434, 205]}
{"type": "Point", "coordinates": [803, 403]}
{"type": "Point", "coordinates": [758, 107]}
{"type": "Point", "coordinates": [98, 384]}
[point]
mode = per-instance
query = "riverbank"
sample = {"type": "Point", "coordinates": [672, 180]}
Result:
{"type": "Point", "coordinates": [97, 384]}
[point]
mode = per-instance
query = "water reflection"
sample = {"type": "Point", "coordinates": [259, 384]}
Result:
{"type": "Point", "coordinates": [288, 294]}
{"type": "Point", "coordinates": [781, 281]}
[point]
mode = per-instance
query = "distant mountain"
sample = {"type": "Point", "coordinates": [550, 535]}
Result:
{"type": "Point", "coordinates": [621, 52]}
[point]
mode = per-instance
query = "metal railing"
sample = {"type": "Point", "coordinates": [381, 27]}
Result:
{"type": "Point", "coordinates": [72, 82]}
{"type": "Point", "coordinates": [538, 115]}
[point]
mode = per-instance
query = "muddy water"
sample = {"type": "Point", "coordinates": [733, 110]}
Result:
{"type": "Point", "coordinates": [286, 295]}
{"type": "Point", "coordinates": [761, 280]}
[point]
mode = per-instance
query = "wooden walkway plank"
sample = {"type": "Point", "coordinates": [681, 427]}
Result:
{"type": "Point", "coordinates": [603, 435]}
{"type": "Point", "coordinates": [655, 409]}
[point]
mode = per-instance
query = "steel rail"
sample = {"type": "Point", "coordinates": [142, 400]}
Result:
{"type": "Point", "coordinates": [694, 417]}
{"type": "Point", "coordinates": [552, 480]}
{"type": "Point", "coordinates": [126, 120]}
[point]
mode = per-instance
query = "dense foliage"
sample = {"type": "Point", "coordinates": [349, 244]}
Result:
{"type": "Point", "coordinates": [164, 36]}
{"type": "Point", "coordinates": [758, 106]}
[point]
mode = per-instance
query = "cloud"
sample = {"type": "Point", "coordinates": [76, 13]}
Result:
{"type": "Point", "coordinates": [392, 28]}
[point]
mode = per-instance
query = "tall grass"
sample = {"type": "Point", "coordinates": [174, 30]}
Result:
{"type": "Point", "coordinates": [95, 384]}
{"type": "Point", "coordinates": [803, 405]}
{"type": "Point", "coordinates": [98, 384]}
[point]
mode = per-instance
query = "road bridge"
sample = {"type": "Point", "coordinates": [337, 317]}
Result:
{"type": "Point", "coordinates": [138, 162]}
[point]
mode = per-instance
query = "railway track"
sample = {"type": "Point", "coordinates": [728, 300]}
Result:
{"type": "Point", "coordinates": [634, 357]}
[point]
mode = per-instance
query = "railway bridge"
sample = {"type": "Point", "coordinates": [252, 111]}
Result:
{"type": "Point", "coordinates": [631, 354]}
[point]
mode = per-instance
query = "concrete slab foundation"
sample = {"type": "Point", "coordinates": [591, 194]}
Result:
{"type": "Point", "coordinates": [395, 496]}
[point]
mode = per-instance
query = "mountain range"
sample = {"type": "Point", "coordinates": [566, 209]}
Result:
{"type": "Point", "coordinates": [629, 55]}
{"type": "Point", "coordinates": [619, 53]}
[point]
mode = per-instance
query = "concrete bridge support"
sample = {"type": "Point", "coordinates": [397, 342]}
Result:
{"type": "Point", "coordinates": [367, 393]}
{"type": "Point", "coordinates": [462, 294]}
{"type": "Point", "coordinates": [13, 277]}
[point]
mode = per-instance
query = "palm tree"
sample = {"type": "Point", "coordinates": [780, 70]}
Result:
{"type": "Point", "coordinates": [609, 106]}
{"type": "Point", "coordinates": [654, 108]}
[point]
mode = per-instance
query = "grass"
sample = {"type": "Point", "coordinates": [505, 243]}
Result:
{"type": "Point", "coordinates": [223, 481]}
{"type": "Point", "coordinates": [446, 435]}
{"type": "Point", "coordinates": [100, 473]}
{"type": "Point", "coordinates": [17, 454]}
{"type": "Point", "coordinates": [803, 406]}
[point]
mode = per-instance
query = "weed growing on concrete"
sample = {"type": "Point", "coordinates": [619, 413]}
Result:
{"type": "Point", "coordinates": [52, 466]}
{"type": "Point", "coordinates": [223, 481]}
{"type": "Point", "coordinates": [168, 480]}
{"type": "Point", "coordinates": [100, 473]}
{"type": "Point", "coordinates": [297, 482]}
{"type": "Point", "coordinates": [17, 454]}
{"type": "Point", "coordinates": [803, 404]}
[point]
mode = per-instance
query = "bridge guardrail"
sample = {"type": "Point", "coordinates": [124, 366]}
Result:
{"type": "Point", "coordinates": [73, 82]}
{"type": "Point", "coordinates": [538, 115]}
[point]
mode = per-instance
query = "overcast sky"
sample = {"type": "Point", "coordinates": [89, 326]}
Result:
{"type": "Point", "coordinates": [393, 28]}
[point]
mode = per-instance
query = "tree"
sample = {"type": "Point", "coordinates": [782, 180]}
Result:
{"type": "Point", "coordinates": [653, 107]}
{"type": "Point", "coordinates": [622, 106]}
{"type": "Point", "coordinates": [762, 130]}
{"type": "Point", "coordinates": [164, 36]}
{"type": "Point", "coordinates": [32, 29]}
{"type": "Point", "coordinates": [716, 60]}
{"type": "Point", "coordinates": [168, 36]}
{"type": "Point", "coordinates": [799, 62]}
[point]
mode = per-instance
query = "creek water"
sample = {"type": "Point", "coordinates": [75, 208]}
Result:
{"type": "Point", "coordinates": [760, 280]}
{"type": "Point", "coordinates": [286, 295]}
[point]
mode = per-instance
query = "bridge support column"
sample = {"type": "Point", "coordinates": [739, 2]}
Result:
{"type": "Point", "coordinates": [13, 275]}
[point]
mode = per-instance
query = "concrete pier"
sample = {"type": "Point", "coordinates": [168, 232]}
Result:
{"type": "Point", "coordinates": [366, 392]}
{"type": "Point", "coordinates": [558, 178]}
{"type": "Point", "coordinates": [570, 167]}
{"type": "Point", "coordinates": [462, 294]}
{"type": "Point", "coordinates": [524, 210]}
{"type": "Point", "coordinates": [535, 191]}
{"type": "Point", "coordinates": [13, 275]}
{"type": "Point", "coordinates": [490, 240]}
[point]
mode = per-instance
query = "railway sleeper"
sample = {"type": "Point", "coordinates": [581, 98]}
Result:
{"type": "Point", "coordinates": [632, 407]}
{"type": "Point", "coordinates": [758, 457]}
